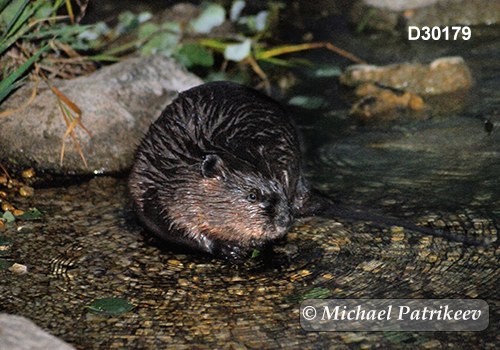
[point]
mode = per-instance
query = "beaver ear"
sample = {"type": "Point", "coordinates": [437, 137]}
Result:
{"type": "Point", "coordinates": [212, 166]}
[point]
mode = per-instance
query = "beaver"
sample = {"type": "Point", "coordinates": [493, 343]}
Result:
{"type": "Point", "coordinates": [220, 171]}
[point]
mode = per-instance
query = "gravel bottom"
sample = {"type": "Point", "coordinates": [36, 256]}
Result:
{"type": "Point", "coordinates": [88, 247]}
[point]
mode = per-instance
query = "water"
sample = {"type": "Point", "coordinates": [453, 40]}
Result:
{"type": "Point", "coordinates": [452, 156]}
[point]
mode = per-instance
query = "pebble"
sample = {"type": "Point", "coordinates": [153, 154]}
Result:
{"type": "Point", "coordinates": [7, 207]}
{"type": "Point", "coordinates": [18, 269]}
{"type": "Point", "coordinates": [26, 191]}
{"type": "Point", "coordinates": [17, 212]}
{"type": "Point", "coordinates": [432, 344]}
{"type": "Point", "coordinates": [28, 173]}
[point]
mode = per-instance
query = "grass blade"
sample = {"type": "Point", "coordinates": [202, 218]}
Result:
{"type": "Point", "coordinates": [5, 44]}
{"type": "Point", "coordinates": [15, 18]}
{"type": "Point", "coordinates": [7, 85]}
{"type": "Point", "coordinates": [31, 99]}
{"type": "Point", "coordinates": [56, 32]}
{"type": "Point", "coordinates": [3, 3]}
{"type": "Point", "coordinates": [18, 26]}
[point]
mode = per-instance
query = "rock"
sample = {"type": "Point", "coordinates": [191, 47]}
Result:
{"type": "Point", "coordinates": [399, 5]}
{"type": "Point", "coordinates": [386, 14]}
{"type": "Point", "coordinates": [397, 91]}
{"type": "Point", "coordinates": [443, 75]}
{"type": "Point", "coordinates": [118, 104]}
{"type": "Point", "coordinates": [378, 105]}
{"type": "Point", "coordinates": [19, 333]}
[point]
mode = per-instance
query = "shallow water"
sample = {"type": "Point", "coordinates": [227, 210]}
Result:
{"type": "Point", "coordinates": [88, 247]}
{"type": "Point", "coordinates": [442, 172]}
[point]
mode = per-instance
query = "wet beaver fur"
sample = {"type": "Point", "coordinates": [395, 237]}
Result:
{"type": "Point", "coordinates": [220, 171]}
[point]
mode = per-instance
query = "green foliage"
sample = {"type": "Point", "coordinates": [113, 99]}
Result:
{"type": "Point", "coordinates": [161, 39]}
{"type": "Point", "coordinates": [173, 39]}
{"type": "Point", "coordinates": [32, 24]}
{"type": "Point", "coordinates": [212, 16]}
{"type": "Point", "coordinates": [128, 22]}
{"type": "Point", "coordinates": [192, 54]}
{"type": "Point", "coordinates": [32, 214]}
{"type": "Point", "coordinates": [25, 21]}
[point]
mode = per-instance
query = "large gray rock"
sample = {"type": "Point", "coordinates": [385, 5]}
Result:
{"type": "Point", "coordinates": [386, 14]}
{"type": "Point", "coordinates": [400, 5]}
{"type": "Point", "coordinates": [118, 103]}
{"type": "Point", "coordinates": [19, 333]}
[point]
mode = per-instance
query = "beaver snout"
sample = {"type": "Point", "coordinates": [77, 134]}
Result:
{"type": "Point", "coordinates": [283, 217]}
{"type": "Point", "coordinates": [284, 220]}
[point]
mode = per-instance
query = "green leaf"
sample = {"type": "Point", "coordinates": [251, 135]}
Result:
{"type": "Point", "coordinates": [9, 216]}
{"type": "Point", "coordinates": [236, 9]}
{"type": "Point", "coordinates": [4, 264]}
{"type": "Point", "coordinates": [165, 42]}
{"type": "Point", "coordinates": [309, 102]}
{"type": "Point", "coordinates": [44, 11]}
{"type": "Point", "coordinates": [32, 214]}
{"type": "Point", "coordinates": [128, 22]}
{"type": "Point", "coordinates": [238, 52]}
{"type": "Point", "coordinates": [261, 20]}
{"type": "Point", "coordinates": [328, 71]}
{"type": "Point", "coordinates": [256, 23]}
{"type": "Point", "coordinates": [317, 293]}
{"type": "Point", "coordinates": [147, 29]}
{"type": "Point", "coordinates": [110, 306]}
{"type": "Point", "coordinates": [213, 16]}
{"type": "Point", "coordinates": [193, 54]}
{"type": "Point", "coordinates": [162, 43]}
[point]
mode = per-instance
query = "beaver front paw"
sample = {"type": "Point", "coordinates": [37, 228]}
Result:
{"type": "Point", "coordinates": [231, 251]}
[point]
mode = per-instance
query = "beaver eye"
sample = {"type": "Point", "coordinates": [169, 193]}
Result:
{"type": "Point", "coordinates": [252, 197]}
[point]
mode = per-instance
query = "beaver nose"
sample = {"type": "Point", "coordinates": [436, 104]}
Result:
{"type": "Point", "coordinates": [283, 219]}
{"type": "Point", "coordinates": [283, 222]}
{"type": "Point", "coordinates": [281, 214]}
